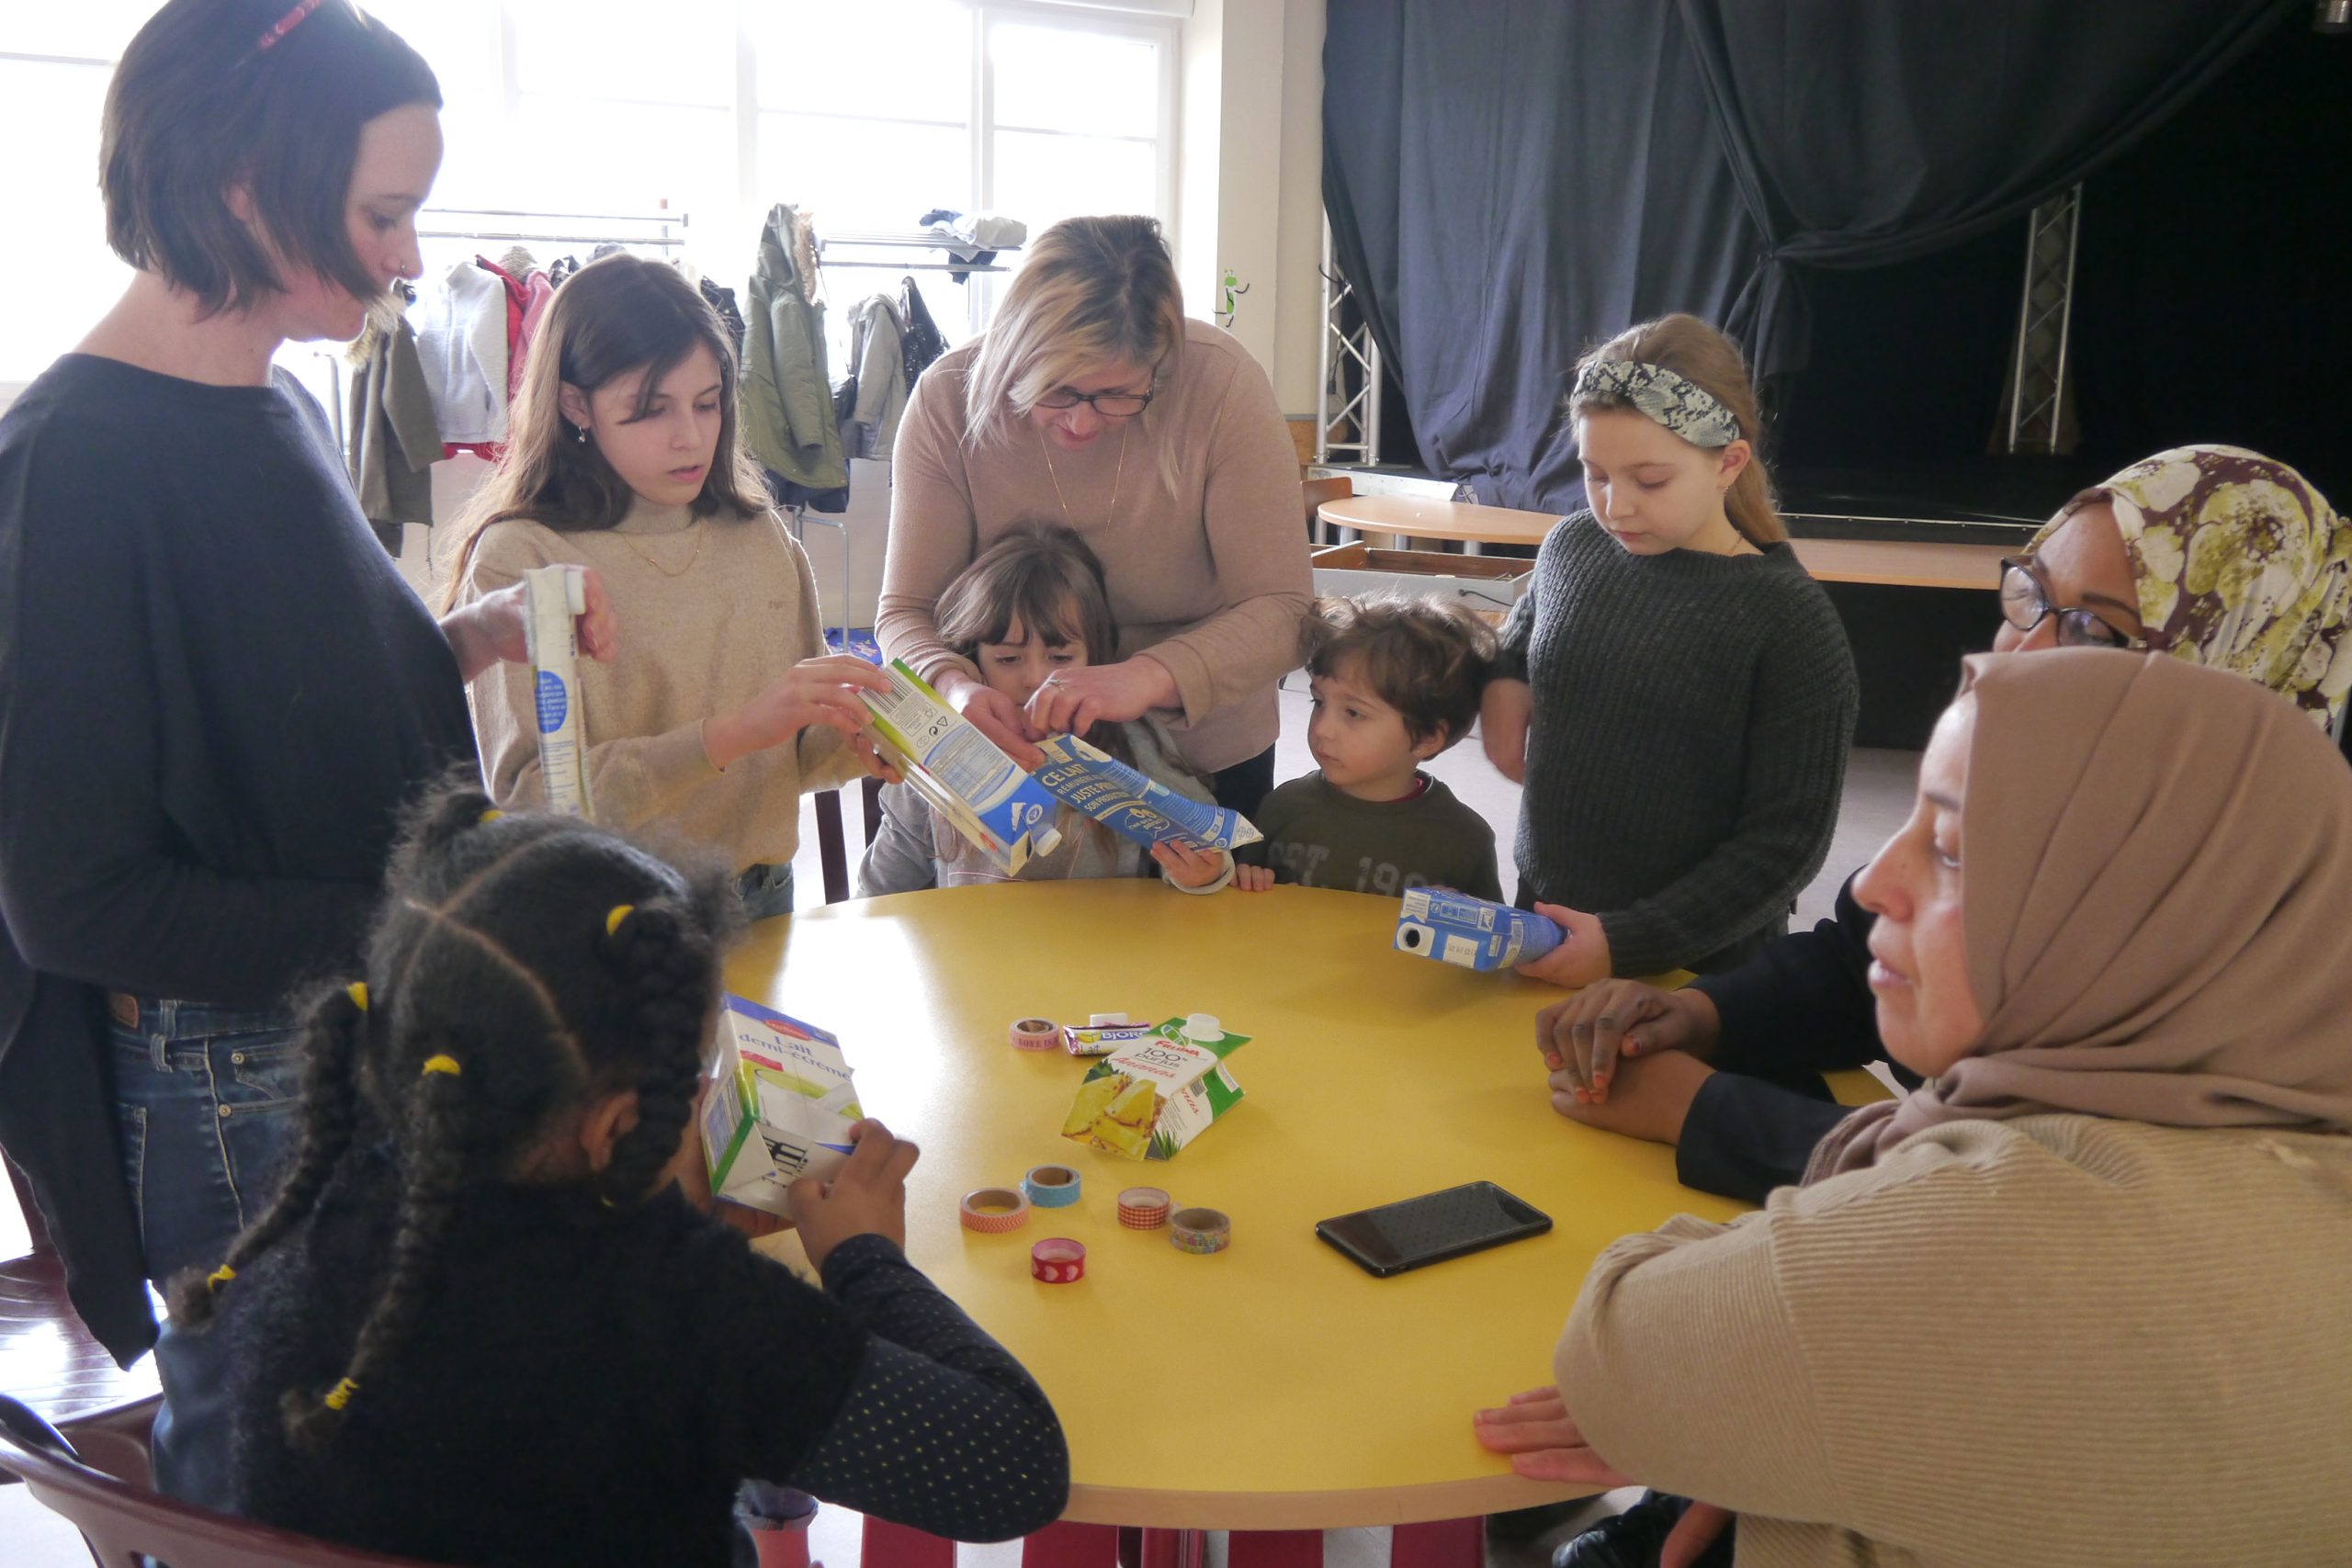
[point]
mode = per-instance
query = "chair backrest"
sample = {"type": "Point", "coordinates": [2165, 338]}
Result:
{"type": "Point", "coordinates": [123, 1521]}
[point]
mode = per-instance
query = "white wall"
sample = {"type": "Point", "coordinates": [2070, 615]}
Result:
{"type": "Point", "coordinates": [1249, 178]}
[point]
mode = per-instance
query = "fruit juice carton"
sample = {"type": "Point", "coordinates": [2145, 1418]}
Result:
{"type": "Point", "coordinates": [960, 773]}
{"type": "Point", "coordinates": [1132, 805]}
{"type": "Point", "coordinates": [1148, 1099]}
{"type": "Point", "coordinates": [781, 1108]}
{"type": "Point", "coordinates": [1454, 928]}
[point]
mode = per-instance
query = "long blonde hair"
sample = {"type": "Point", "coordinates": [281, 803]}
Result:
{"type": "Point", "coordinates": [1093, 290]}
{"type": "Point", "coordinates": [1700, 355]}
{"type": "Point", "coordinates": [621, 316]}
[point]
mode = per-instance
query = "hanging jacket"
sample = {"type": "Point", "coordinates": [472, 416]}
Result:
{"type": "Point", "coordinates": [723, 301]}
{"type": "Point", "coordinates": [787, 396]}
{"type": "Point", "coordinates": [878, 374]}
{"type": "Point", "coordinates": [922, 341]}
{"type": "Point", "coordinates": [462, 343]}
{"type": "Point", "coordinates": [393, 437]}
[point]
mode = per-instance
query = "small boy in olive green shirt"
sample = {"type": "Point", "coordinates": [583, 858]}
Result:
{"type": "Point", "coordinates": [1395, 683]}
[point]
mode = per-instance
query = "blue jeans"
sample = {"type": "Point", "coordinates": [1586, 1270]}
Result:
{"type": "Point", "coordinates": [766, 890]}
{"type": "Point", "coordinates": [206, 1102]}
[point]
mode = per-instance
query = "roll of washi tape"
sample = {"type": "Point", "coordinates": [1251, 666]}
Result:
{"type": "Point", "coordinates": [1036, 1034]}
{"type": "Point", "coordinates": [1143, 1208]}
{"type": "Point", "coordinates": [1051, 1186]}
{"type": "Point", "coordinates": [994, 1209]}
{"type": "Point", "coordinates": [1200, 1230]}
{"type": "Point", "coordinates": [1057, 1260]}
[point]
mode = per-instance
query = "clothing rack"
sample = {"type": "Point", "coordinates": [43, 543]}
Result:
{"type": "Point", "coordinates": [521, 233]}
{"type": "Point", "coordinates": [915, 242]}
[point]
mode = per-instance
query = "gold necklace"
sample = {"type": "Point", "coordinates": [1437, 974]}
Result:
{"type": "Point", "coordinates": [654, 562]}
{"type": "Point", "coordinates": [1115, 474]}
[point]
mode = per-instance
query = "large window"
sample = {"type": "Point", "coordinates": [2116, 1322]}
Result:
{"type": "Point", "coordinates": [865, 113]}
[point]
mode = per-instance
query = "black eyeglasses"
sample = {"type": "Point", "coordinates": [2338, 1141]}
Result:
{"type": "Point", "coordinates": [1109, 405]}
{"type": "Point", "coordinates": [2025, 605]}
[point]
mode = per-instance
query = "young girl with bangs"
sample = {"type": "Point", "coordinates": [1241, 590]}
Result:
{"type": "Point", "coordinates": [1029, 611]}
{"type": "Point", "coordinates": [625, 457]}
{"type": "Point", "coordinates": [1674, 691]}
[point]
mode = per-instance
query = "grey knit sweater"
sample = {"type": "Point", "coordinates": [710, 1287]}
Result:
{"type": "Point", "coordinates": [1692, 714]}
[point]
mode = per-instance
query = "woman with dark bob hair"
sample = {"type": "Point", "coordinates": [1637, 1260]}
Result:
{"type": "Point", "coordinates": [216, 690]}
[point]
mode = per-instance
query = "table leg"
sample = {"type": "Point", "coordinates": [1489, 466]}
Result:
{"type": "Point", "coordinates": [1065, 1545]}
{"type": "Point", "coordinates": [1174, 1549]}
{"type": "Point", "coordinates": [1274, 1549]}
{"type": "Point", "coordinates": [886, 1545]}
{"type": "Point", "coordinates": [1442, 1543]}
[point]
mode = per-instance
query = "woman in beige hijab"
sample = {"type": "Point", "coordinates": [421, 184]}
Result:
{"type": "Point", "coordinates": [2097, 1273]}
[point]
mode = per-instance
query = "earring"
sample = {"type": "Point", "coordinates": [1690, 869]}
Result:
{"type": "Point", "coordinates": [580, 434]}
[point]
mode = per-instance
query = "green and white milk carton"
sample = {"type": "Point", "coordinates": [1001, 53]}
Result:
{"type": "Point", "coordinates": [781, 1108]}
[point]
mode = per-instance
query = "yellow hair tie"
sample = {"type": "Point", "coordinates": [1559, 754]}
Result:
{"type": "Point", "coordinates": [605, 1199]}
{"type": "Point", "coordinates": [340, 1395]}
{"type": "Point", "coordinates": [358, 992]}
{"type": "Point", "coordinates": [487, 817]}
{"type": "Point", "coordinates": [219, 1277]}
{"type": "Point", "coordinates": [443, 1064]}
{"type": "Point", "coordinates": [613, 921]}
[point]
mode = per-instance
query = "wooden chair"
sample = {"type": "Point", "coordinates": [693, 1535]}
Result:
{"type": "Point", "coordinates": [1312, 495]}
{"type": "Point", "coordinates": [832, 849]}
{"type": "Point", "coordinates": [125, 1521]}
{"type": "Point", "coordinates": [47, 1359]}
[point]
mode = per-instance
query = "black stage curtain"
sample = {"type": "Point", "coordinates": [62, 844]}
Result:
{"type": "Point", "coordinates": [1509, 181]}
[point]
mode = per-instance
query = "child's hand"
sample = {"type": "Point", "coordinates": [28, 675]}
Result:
{"type": "Point", "coordinates": [877, 762]}
{"type": "Point", "coordinates": [866, 1197]}
{"type": "Point", "coordinates": [1583, 1034]}
{"type": "Point", "coordinates": [1188, 867]}
{"type": "Point", "coordinates": [1580, 959]}
{"type": "Point", "coordinates": [1505, 710]}
{"type": "Point", "coordinates": [1254, 878]}
{"type": "Point", "coordinates": [995, 714]}
{"type": "Point", "coordinates": [815, 691]}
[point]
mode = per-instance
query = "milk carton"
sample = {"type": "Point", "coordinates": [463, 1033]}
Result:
{"type": "Point", "coordinates": [781, 1108]}
{"type": "Point", "coordinates": [960, 773]}
{"type": "Point", "coordinates": [1132, 805]}
{"type": "Point", "coordinates": [1150, 1099]}
{"type": "Point", "coordinates": [1454, 928]}
{"type": "Point", "coordinates": [554, 597]}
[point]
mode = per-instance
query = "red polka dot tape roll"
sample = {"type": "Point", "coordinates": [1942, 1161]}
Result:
{"type": "Point", "coordinates": [994, 1209]}
{"type": "Point", "coordinates": [1057, 1260]}
{"type": "Point", "coordinates": [1036, 1034]}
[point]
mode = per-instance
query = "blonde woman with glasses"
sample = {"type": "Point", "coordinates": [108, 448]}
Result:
{"type": "Point", "coordinates": [1092, 401]}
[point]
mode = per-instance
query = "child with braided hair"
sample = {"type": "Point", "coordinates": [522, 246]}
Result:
{"type": "Point", "coordinates": [482, 1322]}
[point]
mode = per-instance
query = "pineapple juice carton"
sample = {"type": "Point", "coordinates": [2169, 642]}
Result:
{"type": "Point", "coordinates": [1150, 1098]}
{"type": "Point", "coordinates": [781, 1108]}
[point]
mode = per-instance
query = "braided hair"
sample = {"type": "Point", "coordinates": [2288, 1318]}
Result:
{"type": "Point", "coordinates": [521, 967]}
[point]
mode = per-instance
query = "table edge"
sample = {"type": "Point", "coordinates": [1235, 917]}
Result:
{"type": "Point", "coordinates": [1356, 1507]}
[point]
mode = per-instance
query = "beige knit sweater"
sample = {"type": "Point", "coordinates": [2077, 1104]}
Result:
{"type": "Point", "coordinates": [1209, 577]}
{"type": "Point", "coordinates": [739, 610]}
{"type": "Point", "coordinates": [2059, 1341]}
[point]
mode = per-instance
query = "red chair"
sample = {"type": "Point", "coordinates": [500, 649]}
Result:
{"type": "Point", "coordinates": [81, 1479]}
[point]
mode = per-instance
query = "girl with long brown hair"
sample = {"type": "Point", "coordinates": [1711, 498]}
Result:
{"type": "Point", "coordinates": [1674, 691]}
{"type": "Point", "coordinates": [623, 456]}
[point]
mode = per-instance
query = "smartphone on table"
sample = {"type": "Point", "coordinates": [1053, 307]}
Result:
{"type": "Point", "coordinates": [1409, 1234]}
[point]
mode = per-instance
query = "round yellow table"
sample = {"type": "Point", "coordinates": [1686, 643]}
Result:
{"type": "Point", "coordinates": [1275, 1385]}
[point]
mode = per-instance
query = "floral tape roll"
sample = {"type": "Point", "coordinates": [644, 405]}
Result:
{"type": "Point", "coordinates": [1143, 1208]}
{"type": "Point", "coordinates": [1057, 1260]}
{"type": "Point", "coordinates": [994, 1209]}
{"type": "Point", "coordinates": [1036, 1034]}
{"type": "Point", "coordinates": [1200, 1230]}
{"type": "Point", "coordinates": [1051, 1186]}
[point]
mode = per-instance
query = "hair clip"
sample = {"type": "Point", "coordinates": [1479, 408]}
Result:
{"type": "Point", "coordinates": [358, 992]}
{"type": "Point", "coordinates": [287, 23]}
{"type": "Point", "coordinates": [613, 921]}
{"type": "Point", "coordinates": [442, 1063]}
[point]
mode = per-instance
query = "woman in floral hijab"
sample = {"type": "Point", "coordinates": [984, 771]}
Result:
{"type": "Point", "coordinates": [2236, 563]}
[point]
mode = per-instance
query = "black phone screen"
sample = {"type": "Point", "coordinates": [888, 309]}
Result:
{"type": "Point", "coordinates": [1429, 1229]}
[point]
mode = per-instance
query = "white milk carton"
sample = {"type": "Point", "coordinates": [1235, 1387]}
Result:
{"type": "Point", "coordinates": [555, 597]}
{"type": "Point", "coordinates": [960, 773]}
